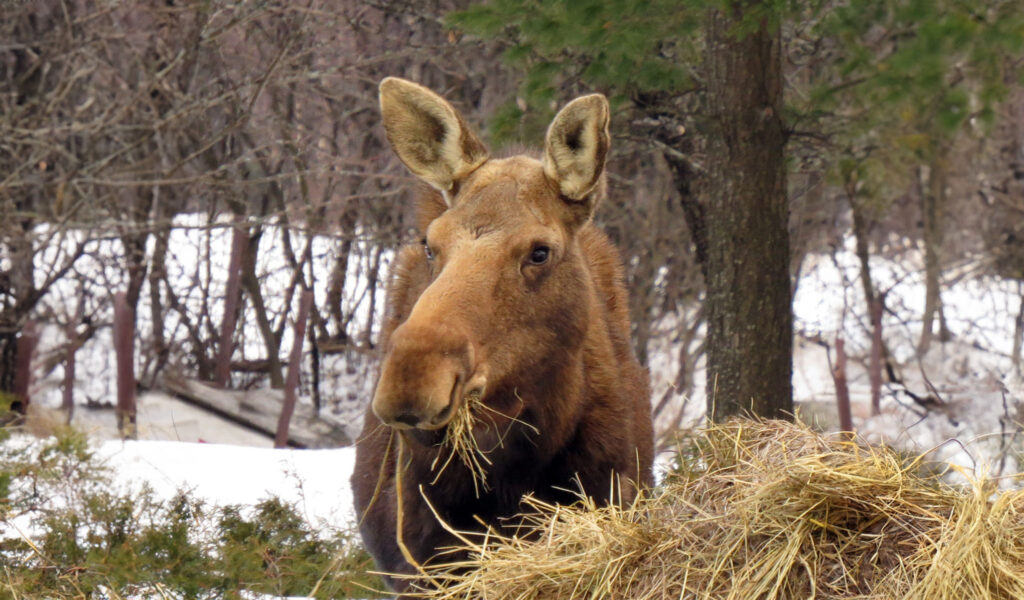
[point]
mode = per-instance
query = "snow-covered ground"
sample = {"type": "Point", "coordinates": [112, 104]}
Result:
{"type": "Point", "coordinates": [165, 418]}
{"type": "Point", "coordinates": [974, 420]}
{"type": "Point", "coordinates": [314, 481]}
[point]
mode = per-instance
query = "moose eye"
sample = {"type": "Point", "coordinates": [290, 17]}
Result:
{"type": "Point", "coordinates": [540, 255]}
{"type": "Point", "coordinates": [427, 250]}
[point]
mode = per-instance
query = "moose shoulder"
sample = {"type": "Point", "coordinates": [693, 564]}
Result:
{"type": "Point", "coordinates": [513, 315]}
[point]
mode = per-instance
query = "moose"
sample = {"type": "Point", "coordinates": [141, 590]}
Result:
{"type": "Point", "coordinates": [514, 308]}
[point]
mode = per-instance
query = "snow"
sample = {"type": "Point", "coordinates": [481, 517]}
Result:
{"type": "Point", "coordinates": [163, 417]}
{"type": "Point", "coordinates": [314, 481]}
{"type": "Point", "coordinates": [973, 426]}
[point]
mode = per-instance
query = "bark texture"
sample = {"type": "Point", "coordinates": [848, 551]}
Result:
{"type": "Point", "coordinates": [750, 325]}
{"type": "Point", "coordinates": [933, 210]}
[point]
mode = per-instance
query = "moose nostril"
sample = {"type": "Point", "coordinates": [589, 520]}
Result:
{"type": "Point", "coordinates": [408, 418]}
{"type": "Point", "coordinates": [476, 386]}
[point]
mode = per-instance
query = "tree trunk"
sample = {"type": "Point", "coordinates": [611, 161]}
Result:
{"type": "Point", "coordinates": [294, 367]}
{"type": "Point", "coordinates": [17, 286]}
{"type": "Point", "coordinates": [135, 241]}
{"type": "Point", "coordinates": [861, 223]}
{"type": "Point", "coordinates": [232, 299]}
{"type": "Point", "coordinates": [68, 393]}
{"type": "Point", "coordinates": [693, 205]}
{"type": "Point", "coordinates": [27, 343]}
{"type": "Point", "coordinates": [124, 347]}
{"type": "Point", "coordinates": [157, 276]}
{"type": "Point", "coordinates": [135, 259]}
{"type": "Point", "coordinates": [874, 304]}
{"type": "Point", "coordinates": [842, 388]}
{"type": "Point", "coordinates": [750, 323]}
{"type": "Point", "coordinates": [877, 307]}
{"type": "Point", "coordinates": [373, 278]}
{"type": "Point", "coordinates": [933, 207]}
{"type": "Point", "coordinates": [336, 287]}
{"type": "Point", "coordinates": [251, 284]}
{"type": "Point", "coordinates": [1018, 330]}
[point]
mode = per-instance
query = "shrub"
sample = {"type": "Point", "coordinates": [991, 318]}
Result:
{"type": "Point", "coordinates": [69, 533]}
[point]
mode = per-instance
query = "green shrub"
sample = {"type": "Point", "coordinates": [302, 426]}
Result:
{"type": "Point", "coordinates": [70, 534]}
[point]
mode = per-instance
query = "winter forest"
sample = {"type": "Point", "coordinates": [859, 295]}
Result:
{"type": "Point", "coordinates": [819, 207]}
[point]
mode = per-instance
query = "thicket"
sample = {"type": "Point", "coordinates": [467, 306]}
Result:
{"type": "Point", "coordinates": [67, 532]}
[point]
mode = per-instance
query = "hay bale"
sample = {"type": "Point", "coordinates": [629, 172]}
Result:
{"type": "Point", "coordinates": [768, 510]}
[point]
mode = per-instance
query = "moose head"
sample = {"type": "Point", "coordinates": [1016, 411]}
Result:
{"type": "Point", "coordinates": [509, 287]}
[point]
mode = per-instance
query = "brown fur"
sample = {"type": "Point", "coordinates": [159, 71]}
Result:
{"type": "Point", "coordinates": [546, 345]}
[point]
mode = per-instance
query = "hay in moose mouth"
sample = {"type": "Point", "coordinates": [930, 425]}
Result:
{"type": "Point", "coordinates": [771, 510]}
{"type": "Point", "coordinates": [460, 443]}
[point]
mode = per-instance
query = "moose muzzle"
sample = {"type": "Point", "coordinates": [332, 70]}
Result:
{"type": "Point", "coordinates": [426, 373]}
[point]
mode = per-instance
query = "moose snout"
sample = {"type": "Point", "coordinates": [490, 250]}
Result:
{"type": "Point", "coordinates": [423, 378]}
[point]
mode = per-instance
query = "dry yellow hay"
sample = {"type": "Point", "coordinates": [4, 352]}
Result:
{"type": "Point", "coordinates": [767, 510]}
{"type": "Point", "coordinates": [460, 442]}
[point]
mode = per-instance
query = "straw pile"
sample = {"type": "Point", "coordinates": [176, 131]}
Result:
{"type": "Point", "coordinates": [771, 510]}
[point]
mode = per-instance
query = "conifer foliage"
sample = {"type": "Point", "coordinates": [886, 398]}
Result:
{"type": "Point", "coordinates": [70, 533]}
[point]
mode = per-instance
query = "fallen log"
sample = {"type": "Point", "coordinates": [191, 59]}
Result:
{"type": "Point", "coordinates": [258, 411]}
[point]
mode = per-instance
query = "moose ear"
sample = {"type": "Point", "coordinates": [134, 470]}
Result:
{"type": "Point", "coordinates": [577, 146]}
{"type": "Point", "coordinates": [428, 135]}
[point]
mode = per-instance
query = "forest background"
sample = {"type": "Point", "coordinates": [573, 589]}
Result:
{"type": "Point", "coordinates": [149, 147]}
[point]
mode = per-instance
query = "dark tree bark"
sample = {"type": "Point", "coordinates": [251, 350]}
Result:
{"type": "Point", "coordinates": [232, 299]}
{"type": "Point", "coordinates": [27, 343]}
{"type": "Point", "coordinates": [68, 393]}
{"type": "Point", "coordinates": [135, 258]}
{"type": "Point", "coordinates": [157, 277]}
{"type": "Point", "coordinates": [336, 287]}
{"type": "Point", "coordinates": [861, 224]}
{"type": "Point", "coordinates": [373, 278]}
{"type": "Point", "coordinates": [124, 347]}
{"type": "Point", "coordinates": [933, 209]}
{"type": "Point", "coordinates": [1018, 332]}
{"type": "Point", "coordinates": [17, 286]}
{"type": "Point", "coordinates": [8, 359]}
{"type": "Point", "coordinates": [750, 323]}
{"type": "Point", "coordinates": [694, 210]}
{"type": "Point", "coordinates": [294, 366]}
{"type": "Point", "coordinates": [872, 299]}
{"type": "Point", "coordinates": [842, 388]}
{"type": "Point", "coordinates": [877, 307]}
{"type": "Point", "coordinates": [251, 285]}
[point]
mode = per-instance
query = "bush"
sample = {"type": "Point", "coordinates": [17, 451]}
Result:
{"type": "Point", "coordinates": [68, 533]}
